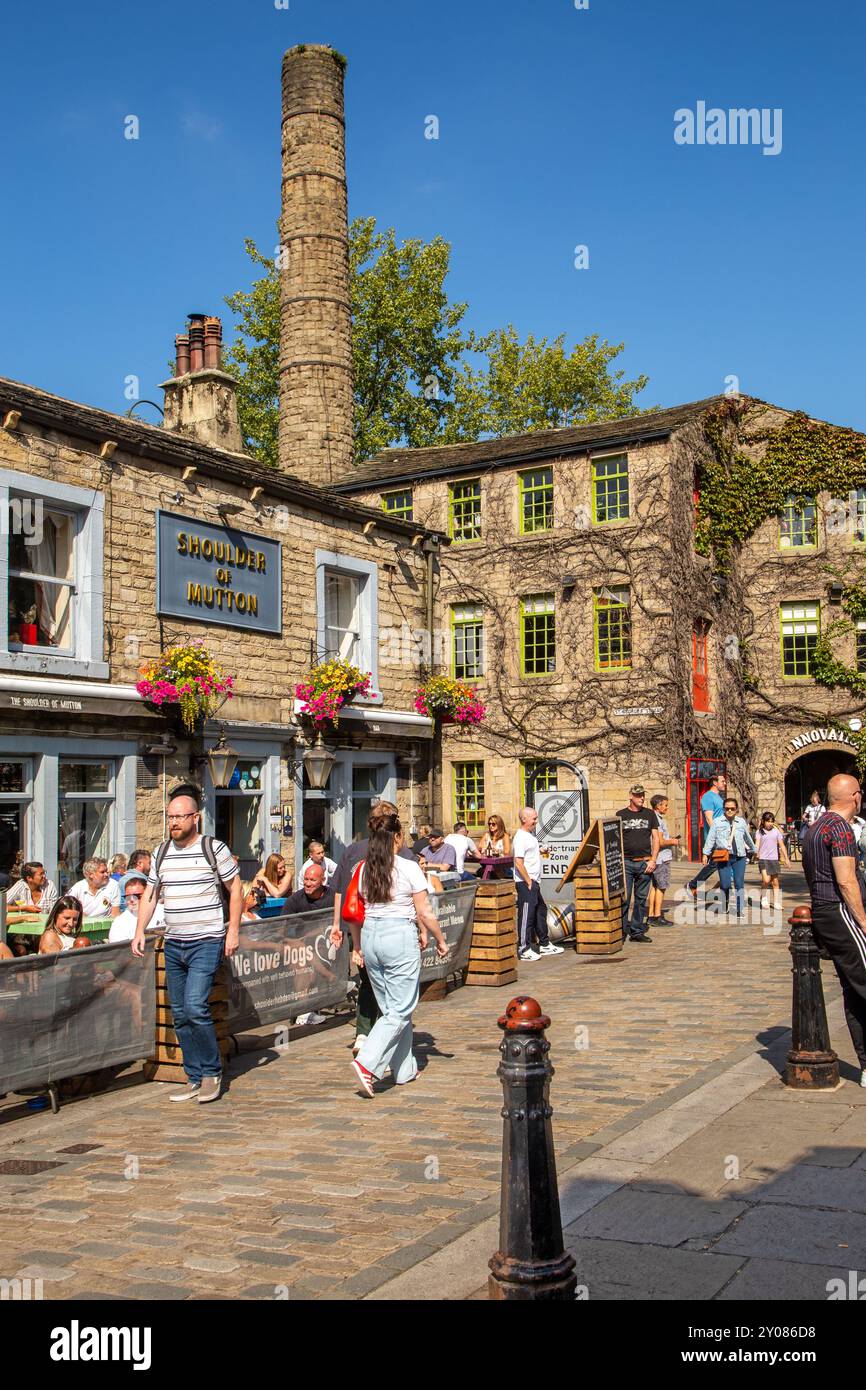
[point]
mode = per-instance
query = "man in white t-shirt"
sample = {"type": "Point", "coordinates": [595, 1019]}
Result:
{"type": "Point", "coordinates": [531, 907]}
{"type": "Point", "coordinates": [98, 892]}
{"type": "Point", "coordinates": [188, 876]}
{"type": "Point", "coordinates": [132, 889]}
{"type": "Point", "coordinates": [318, 856]}
{"type": "Point", "coordinates": [463, 848]}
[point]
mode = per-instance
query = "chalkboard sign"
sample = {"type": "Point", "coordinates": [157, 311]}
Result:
{"type": "Point", "coordinates": [612, 862]}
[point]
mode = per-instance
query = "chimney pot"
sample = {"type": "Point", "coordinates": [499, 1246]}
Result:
{"type": "Point", "coordinates": [196, 342]}
{"type": "Point", "coordinates": [213, 336]}
{"type": "Point", "coordinates": [181, 348]}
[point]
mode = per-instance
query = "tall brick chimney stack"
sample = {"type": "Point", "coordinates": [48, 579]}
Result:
{"type": "Point", "coordinates": [315, 437]}
{"type": "Point", "coordinates": [201, 399]}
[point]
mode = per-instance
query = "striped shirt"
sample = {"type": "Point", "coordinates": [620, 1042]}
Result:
{"type": "Point", "coordinates": [190, 897]}
{"type": "Point", "coordinates": [829, 838]}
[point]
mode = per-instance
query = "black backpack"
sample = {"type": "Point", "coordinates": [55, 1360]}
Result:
{"type": "Point", "coordinates": [207, 850]}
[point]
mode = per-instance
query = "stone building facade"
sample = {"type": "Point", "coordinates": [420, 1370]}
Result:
{"type": "Point", "coordinates": [88, 499]}
{"type": "Point", "coordinates": [574, 550]}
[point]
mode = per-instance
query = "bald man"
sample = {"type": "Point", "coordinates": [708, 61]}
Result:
{"type": "Point", "coordinates": [838, 892]}
{"type": "Point", "coordinates": [531, 907]}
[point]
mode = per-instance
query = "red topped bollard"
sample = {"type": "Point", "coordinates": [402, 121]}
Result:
{"type": "Point", "coordinates": [531, 1262]}
{"type": "Point", "coordinates": [812, 1063]}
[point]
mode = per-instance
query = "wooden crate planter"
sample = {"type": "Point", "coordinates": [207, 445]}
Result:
{"type": "Point", "coordinates": [597, 929]}
{"type": "Point", "coordinates": [166, 1062]}
{"type": "Point", "coordinates": [493, 952]}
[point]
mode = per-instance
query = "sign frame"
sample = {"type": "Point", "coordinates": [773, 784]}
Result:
{"type": "Point", "coordinates": [230, 535]}
{"type": "Point", "coordinates": [592, 845]}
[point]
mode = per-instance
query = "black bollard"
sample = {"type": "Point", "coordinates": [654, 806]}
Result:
{"type": "Point", "coordinates": [531, 1262]}
{"type": "Point", "coordinates": [812, 1063]}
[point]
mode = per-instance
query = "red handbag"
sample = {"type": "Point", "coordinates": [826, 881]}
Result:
{"type": "Point", "coordinates": [353, 903]}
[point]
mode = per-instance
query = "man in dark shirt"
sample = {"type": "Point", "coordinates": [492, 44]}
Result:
{"type": "Point", "coordinates": [313, 895]}
{"type": "Point", "coordinates": [641, 840]}
{"type": "Point", "coordinates": [838, 892]}
{"type": "Point", "coordinates": [367, 1008]}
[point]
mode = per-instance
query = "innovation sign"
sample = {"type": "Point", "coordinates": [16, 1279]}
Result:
{"type": "Point", "coordinates": [217, 574]}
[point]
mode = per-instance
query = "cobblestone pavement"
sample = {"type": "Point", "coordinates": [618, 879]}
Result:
{"type": "Point", "coordinates": [294, 1185]}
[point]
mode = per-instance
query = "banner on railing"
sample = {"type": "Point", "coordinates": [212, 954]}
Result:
{"type": "Point", "coordinates": [73, 1012]}
{"type": "Point", "coordinates": [455, 911]}
{"type": "Point", "coordinates": [285, 966]}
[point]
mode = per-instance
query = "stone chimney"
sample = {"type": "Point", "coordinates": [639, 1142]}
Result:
{"type": "Point", "coordinates": [201, 399]}
{"type": "Point", "coordinates": [315, 438]}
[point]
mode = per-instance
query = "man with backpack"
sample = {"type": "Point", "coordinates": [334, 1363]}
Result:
{"type": "Point", "coordinates": [197, 879]}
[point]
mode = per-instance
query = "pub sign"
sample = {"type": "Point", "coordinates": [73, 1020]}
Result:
{"type": "Point", "coordinates": [217, 574]}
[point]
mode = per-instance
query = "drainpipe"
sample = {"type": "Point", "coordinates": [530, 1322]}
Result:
{"type": "Point", "coordinates": [431, 550]}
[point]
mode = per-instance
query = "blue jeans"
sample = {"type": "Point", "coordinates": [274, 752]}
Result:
{"type": "Point", "coordinates": [393, 960]}
{"type": "Point", "coordinates": [734, 874]}
{"type": "Point", "coordinates": [637, 886]}
{"type": "Point", "coordinates": [190, 967]}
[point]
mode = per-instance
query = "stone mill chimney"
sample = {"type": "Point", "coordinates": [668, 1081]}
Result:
{"type": "Point", "coordinates": [315, 438]}
{"type": "Point", "coordinates": [201, 399]}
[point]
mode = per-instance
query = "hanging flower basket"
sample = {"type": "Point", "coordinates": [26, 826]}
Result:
{"type": "Point", "coordinates": [185, 680]}
{"type": "Point", "coordinates": [449, 702]}
{"type": "Point", "coordinates": [328, 687]}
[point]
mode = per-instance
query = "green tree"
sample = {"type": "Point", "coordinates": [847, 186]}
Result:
{"type": "Point", "coordinates": [420, 377]}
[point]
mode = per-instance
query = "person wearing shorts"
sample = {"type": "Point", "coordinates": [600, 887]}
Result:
{"type": "Point", "coordinates": [661, 877]}
{"type": "Point", "coordinates": [771, 855]}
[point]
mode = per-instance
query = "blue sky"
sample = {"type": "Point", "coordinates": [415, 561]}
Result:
{"type": "Point", "coordinates": [556, 129]}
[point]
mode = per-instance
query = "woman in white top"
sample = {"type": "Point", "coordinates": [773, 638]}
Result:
{"type": "Point", "coordinates": [63, 928]}
{"type": "Point", "coordinates": [397, 918]}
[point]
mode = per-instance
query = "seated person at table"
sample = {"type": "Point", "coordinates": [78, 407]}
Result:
{"type": "Point", "coordinates": [318, 856]}
{"type": "Point", "coordinates": [314, 893]}
{"type": "Point", "coordinates": [439, 857]}
{"type": "Point", "coordinates": [132, 889]}
{"type": "Point", "coordinates": [497, 841]}
{"type": "Point", "coordinates": [33, 892]}
{"type": "Point", "coordinates": [275, 877]}
{"type": "Point", "coordinates": [63, 928]}
{"type": "Point", "coordinates": [463, 848]}
{"type": "Point", "coordinates": [254, 896]}
{"type": "Point", "coordinates": [98, 892]}
{"type": "Point", "coordinates": [118, 867]}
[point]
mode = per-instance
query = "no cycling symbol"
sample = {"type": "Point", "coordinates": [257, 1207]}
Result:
{"type": "Point", "coordinates": [559, 818]}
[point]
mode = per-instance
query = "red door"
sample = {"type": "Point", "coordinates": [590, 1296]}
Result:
{"type": "Point", "coordinates": [699, 771]}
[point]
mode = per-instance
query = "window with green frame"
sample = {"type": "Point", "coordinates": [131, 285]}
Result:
{"type": "Point", "coordinates": [800, 625]}
{"type": "Point", "coordinates": [469, 793]}
{"type": "Point", "coordinates": [536, 500]}
{"type": "Point", "coordinates": [610, 500]}
{"type": "Point", "coordinates": [545, 782]}
{"type": "Point", "coordinates": [464, 511]}
{"type": "Point", "coordinates": [798, 523]}
{"type": "Point", "coordinates": [859, 504]}
{"type": "Point", "coordinates": [398, 503]}
{"type": "Point", "coordinates": [861, 644]}
{"type": "Point", "coordinates": [537, 635]}
{"type": "Point", "coordinates": [612, 626]}
{"type": "Point", "coordinates": [467, 641]}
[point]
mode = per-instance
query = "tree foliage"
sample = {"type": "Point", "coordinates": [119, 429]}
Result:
{"type": "Point", "coordinates": [421, 377]}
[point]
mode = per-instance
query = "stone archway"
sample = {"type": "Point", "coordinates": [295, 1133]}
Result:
{"type": "Point", "coordinates": [812, 771]}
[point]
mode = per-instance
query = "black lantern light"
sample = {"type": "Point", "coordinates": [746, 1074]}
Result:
{"type": "Point", "coordinates": [318, 762]}
{"type": "Point", "coordinates": [222, 761]}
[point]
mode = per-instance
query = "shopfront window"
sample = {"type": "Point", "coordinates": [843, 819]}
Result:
{"type": "Point", "coordinates": [368, 784]}
{"type": "Point", "coordinates": [85, 823]}
{"type": "Point", "coordinates": [15, 798]}
{"type": "Point", "coordinates": [42, 582]}
{"type": "Point", "coordinates": [238, 816]}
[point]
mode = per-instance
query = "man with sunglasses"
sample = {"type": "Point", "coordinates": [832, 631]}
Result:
{"type": "Point", "coordinates": [838, 892]}
{"type": "Point", "coordinates": [132, 889]}
{"type": "Point", "coordinates": [641, 841]}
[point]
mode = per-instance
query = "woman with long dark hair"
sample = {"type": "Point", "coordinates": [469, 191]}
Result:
{"type": "Point", "coordinates": [63, 929]}
{"type": "Point", "coordinates": [397, 919]}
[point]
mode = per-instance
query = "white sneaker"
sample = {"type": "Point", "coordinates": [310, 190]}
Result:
{"type": "Point", "coordinates": [862, 1083]}
{"type": "Point", "coordinates": [305, 1020]}
{"type": "Point", "coordinates": [358, 1044]}
{"type": "Point", "coordinates": [550, 950]}
{"type": "Point", "coordinates": [528, 955]}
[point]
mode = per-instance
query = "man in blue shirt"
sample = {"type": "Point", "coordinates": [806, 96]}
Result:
{"type": "Point", "coordinates": [712, 805]}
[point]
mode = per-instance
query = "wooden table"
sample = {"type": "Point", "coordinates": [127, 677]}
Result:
{"type": "Point", "coordinates": [34, 925]}
{"type": "Point", "coordinates": [491, 863]}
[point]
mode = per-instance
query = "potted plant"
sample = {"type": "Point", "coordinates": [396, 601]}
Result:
{"type": "Point", "coordinates": [449, 701]}
{"type": "Point", "coordinates": [329, 686]}
{"type": "Point", "coordinates": [185, 676]}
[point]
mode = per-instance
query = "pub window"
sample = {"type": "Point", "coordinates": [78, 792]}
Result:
{"type": "Point", "coordinates": [536, 500]}
{"type": "Point", "coordinates": [86, 806]}
{"type": "Point", "coordinates": [16, 796]}
{"type": "Point", "coordinates": [612, 625]}
{"type": "Point", "coordinates": [464, 511]}
{"type": "Point", "coordinates": [343, 616]}
{"type": "Point", "coordinates": [537, 635]}
{"type": "Point", "coordinates": [42, 588]}
{"type": "Point", "coordinates": [610, 493]}
{"type": "Point", "coordinates": [467, 641]}
{"type": "Point", "coordinates": [798, 523]}
{"type": "Point", "coordinates": [469, 793]}
{"type": "Point", "coordinates": [544, 782]}
{"type": "Point", "coordinates": [800, 628]}
{"type": "Point", "coordinates": [861, 644]}
{"type": "Point", "coordinates": [347, 614]}
{"type": "Point", "coordinates": [859, 506]}
{"type": "Point", "coordinates": [398, 503]}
